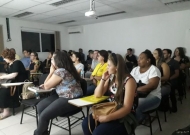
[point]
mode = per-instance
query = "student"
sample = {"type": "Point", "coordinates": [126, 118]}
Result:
{"type": "Point", "coordinates": [17, 57]}
{"type": "Point", "coordinates": [34, 66]}
{"type": "Point", "coordinates": [82, 55]}
{"type": "Point", "coordinates": [93, 65]}
{"type": "Point", "coordinates": [174, 73]}
{"type": "Point", "coordinates": [17, 73]}
{"type": "Point", "coordinates": [164, 70]}
{"type": "Point", "coordinates": [179, 56]}
{"type": "Point", "coordinates": [76, 58]}
{"type": "Point", "coordinates": [122, 89]}
{"type": "Point", "coordinates": [130, 57]}
{"type": "Point", "coordinates": [98, 71]}
{"type": "Point", "coordinates": [64, 77]}
{"type": "Point", "coordinates": [26, 59]}
{"type": "Point", "coordinates": [47, 62]}
{"type": "Point", "coordinates": [148, 74]}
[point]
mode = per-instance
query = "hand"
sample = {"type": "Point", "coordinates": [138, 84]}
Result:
{"type": "Point", "coordinates": [105, 75]}
{"type": "Point", "coordinates": [102, 118]}
{"type": "Point", "coordinates": [1, 77]}
{"type": "Point", "coordinates": [52, 69]}
{"type": "Point", "coordinates": [41, 86]}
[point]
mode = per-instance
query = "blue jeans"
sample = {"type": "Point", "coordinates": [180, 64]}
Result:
{"type": "Point", "coordinates": [146, 104]}
{"type": "Point", "coordinates": [90, 90]}
{"type": "Point", "coordinates": [108, 128]}
{"type": "Point", "coordinates": [165, 90]}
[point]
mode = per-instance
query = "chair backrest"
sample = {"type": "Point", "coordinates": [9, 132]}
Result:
{"type": "Point", "coordinates": [83, 84]}
{"type": "Point", "coordinates": [42, 78]}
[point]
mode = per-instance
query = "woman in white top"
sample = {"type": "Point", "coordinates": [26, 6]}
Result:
{"type": "Point", "coordinates": [148, 74]}
{"type": "Point", "coordinates": [76, 58]}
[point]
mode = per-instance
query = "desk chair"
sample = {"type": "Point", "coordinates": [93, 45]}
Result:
{"type": "Point", "coordinates": [32, 102]}
{"type": "Point", "coordinates": [71, 113]}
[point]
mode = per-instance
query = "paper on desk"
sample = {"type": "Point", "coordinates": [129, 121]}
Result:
{"type": "Point", "coordinates": [79, 102]}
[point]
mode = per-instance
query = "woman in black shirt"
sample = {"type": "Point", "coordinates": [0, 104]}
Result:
{"type": "Point", "coordinates": [16, 71]}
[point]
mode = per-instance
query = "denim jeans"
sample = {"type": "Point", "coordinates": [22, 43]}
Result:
{"type": "Point", "coordinates": [165, 90]}
{"type": "Point", "coordinates": [108, 128]}
{"type": "Point", "coordinates": [146, 104]}
{"type": "Point", "coordinates": [90, 90]}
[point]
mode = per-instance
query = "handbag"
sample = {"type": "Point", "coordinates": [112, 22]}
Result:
{"type": "Point", "coordinates": [101, 109]}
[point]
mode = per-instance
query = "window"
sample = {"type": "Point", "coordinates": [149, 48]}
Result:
{"type": "Point", "coordinates": [38, 42]}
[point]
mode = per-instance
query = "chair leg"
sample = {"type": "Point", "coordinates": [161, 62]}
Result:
{"type": "Point", "coordinates": [23, 108]}
{"type": "Point", "coordinates": [165, 116]}
{"type": "Point", "coordinates": [69, 124]}
{"type": "Point", "coordinates": [36, 116]}
{"type": "Point", "coordinates": [150, 124]}
{"type": "Point", "coordinates": [50, 126]}
{"type": "Point", "coordinates": [87, 111]}
{"type": "Point", "coordinates": [158, 120]}
{"type": "Point", "coordinates": [83, 114]}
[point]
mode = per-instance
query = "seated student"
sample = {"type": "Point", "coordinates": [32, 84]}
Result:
{"type": "Point", "coordinates": [82, 55]}
{"type": "Point", "coordinates": [179, 56]}
{"type": "Point", "coordinates": [93, 65]}
{"type": "Point", "coordinates": [89, 58]}
{"type": "Point", "coordinates": [130, 57]}
{"type": "Point", "coordinates": [64, 77]}
{"type": "Point", "coordinates": [17, 72]}
{"type": "Point", "coordinates": [34, 65]}
{"type": "Point", "coordinates": [76, 58]}
{"type": "Point", "coordinates": [26, 59]}
{"type": "Point", "coordinates": [174, 73]}
{"type": "Point", "coordinates": [47, 62]}
{"type": "Point", "coordinates": [17, 57]}
{"type": "Point", "coordinates": [98, 71]}
{"type": "Point", "coordinates": [122, 88]}
{"type": "Point", "coordinates": [148, 74]}
{"type": "Point", "coordinates": [165, 71]}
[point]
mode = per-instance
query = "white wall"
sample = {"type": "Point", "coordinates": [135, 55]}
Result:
{"type": "Point", "coordinates": [15, 31]}
{"type": "Point", "coordinates": [150, 32]}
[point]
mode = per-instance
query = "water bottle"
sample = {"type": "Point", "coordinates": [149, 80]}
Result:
{"type": "Point", "coordinates": [82, 73]}
{"type": "Point", "coordinates": [37, 95]}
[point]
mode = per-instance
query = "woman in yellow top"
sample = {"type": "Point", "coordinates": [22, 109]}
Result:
{"type": "Point", "coordinates": [98, 71]}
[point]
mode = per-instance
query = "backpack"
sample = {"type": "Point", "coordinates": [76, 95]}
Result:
{"type": "Point", "coordinates": [27, 94]}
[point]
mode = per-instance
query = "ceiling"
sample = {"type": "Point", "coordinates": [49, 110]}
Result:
{"type": "Point", "coordinates": [75, 10]}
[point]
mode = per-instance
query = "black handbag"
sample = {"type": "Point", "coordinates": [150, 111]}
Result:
{"type": "Point", "coordinates": [141, 94]}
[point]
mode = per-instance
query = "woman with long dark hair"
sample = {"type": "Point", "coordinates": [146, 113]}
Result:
{"type": "Point", "coordinates": [76, 58]}
{"type": "Point", "coordinates": [64, 77]}
{"type": "Point", "coordinates": [165, 71]}
{"type": "Point", "coordinates": [179, 56]}
{"type": "Point", "coordinates": [148, 74]}
{"type": "Point", "coordinates": [121, 88]}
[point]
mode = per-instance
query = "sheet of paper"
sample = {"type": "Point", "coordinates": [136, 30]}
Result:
{"type": "Point", "coordinates": [79, 102]}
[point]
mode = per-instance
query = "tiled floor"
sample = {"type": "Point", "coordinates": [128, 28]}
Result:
{"type": "Point", "coordinates": [11, 125]}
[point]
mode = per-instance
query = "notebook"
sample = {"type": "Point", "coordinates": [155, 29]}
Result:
{"type": "Point", "coordinates": [93, 99]}
{"type": "Point", "coordinates": [90, 100]}
{"type": "Point", "coordinates": [39, 90]}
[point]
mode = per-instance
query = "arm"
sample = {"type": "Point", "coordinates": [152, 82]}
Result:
{"type": "Point", "coordinates": [130, 88]}
{"type": "Point", "coordinates": [9, 76]}
{"type": "Point", "coordinates": [101, 88]}
{"type": "Point", "coordinates": [153, 84]}
{"type": "Point", "coordinates": [175, 75]}
{"type": "Point", "coordinates": [52, 81]}
{"type": "Point", "coordinates": [166, 72]}
{"type": "Point", "coordinates": [182, 66]}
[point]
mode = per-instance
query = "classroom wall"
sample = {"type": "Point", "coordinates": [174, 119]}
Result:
{"type": "Point", "coordinates": [164, 31]}
{"type": "Point", "coordinates": [15, 30]}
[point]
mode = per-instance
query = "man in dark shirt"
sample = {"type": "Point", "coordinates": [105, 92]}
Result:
{"type": "Point", "coordinates": [174, 73]}
{"type": "Point", "coordinates": [130, 59]}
